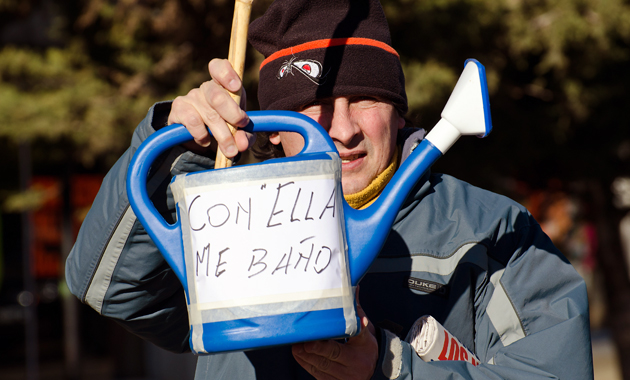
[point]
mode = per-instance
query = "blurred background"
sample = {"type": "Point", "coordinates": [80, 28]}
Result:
{"type": "Point", "coordinates": [76, 76]}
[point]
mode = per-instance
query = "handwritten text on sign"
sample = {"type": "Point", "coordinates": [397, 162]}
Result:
{"type": "Point", "coordinates": [265, 238]}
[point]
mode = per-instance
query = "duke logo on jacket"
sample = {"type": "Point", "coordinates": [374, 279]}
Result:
{"type": "Point", "coordinates": [433, 342]}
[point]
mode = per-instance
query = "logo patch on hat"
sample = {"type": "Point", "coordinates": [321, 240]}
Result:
{"type": "Point", "coordinates": [310, 68]}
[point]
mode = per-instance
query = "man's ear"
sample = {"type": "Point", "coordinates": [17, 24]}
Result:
{"type": "Point", "coordinates": [274, 138]}
{"type": "Point", "coordinates": [401, 122]}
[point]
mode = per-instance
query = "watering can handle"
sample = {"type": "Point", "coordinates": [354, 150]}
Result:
{"type": "Point", "coordinates": [168, 237]}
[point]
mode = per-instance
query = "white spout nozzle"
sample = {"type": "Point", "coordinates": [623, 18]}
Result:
{"type": "Point", "coordinates": [443, 135]}
{"type": "Point", "coordinates": [467, 111]}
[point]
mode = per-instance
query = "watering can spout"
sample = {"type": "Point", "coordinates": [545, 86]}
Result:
{"type": "Point", "coordinates": [467, 112]}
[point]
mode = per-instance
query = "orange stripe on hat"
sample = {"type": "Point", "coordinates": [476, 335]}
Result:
{"type": "Point", "coordinates": [331, 42]}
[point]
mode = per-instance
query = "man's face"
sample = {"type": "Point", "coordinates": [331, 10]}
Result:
{"type": "Point", "coordinates": [364, 131]}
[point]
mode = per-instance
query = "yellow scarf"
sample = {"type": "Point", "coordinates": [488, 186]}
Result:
{"type": "Point", "coordinates": [367, 196]}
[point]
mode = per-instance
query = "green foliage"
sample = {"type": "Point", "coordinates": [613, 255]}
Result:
{"type": "Point", "coordinates": [556, 71]}
{"type": "Point", "coordinates": [57, 95]}
{"type": "Point", "coordinates": [426, 82]}
{"type": "Point", "coordinates": [100, 67]}
{"type": "Point", "coordinates": [31, 199]}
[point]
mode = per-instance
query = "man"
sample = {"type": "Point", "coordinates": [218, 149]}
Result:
{"type": "Point", "coordinates": [494, 279]}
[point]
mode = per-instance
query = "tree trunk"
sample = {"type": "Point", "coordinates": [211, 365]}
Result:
{"type": "Point", "coordinates": [613, 266]}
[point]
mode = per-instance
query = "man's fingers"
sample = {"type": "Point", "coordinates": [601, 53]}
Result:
{"type": "Point", "coordinates": [220, 130]}
{"type": "Point", "coordinates": [244, 140]}
{"type": "Point", "coordinates": [322, 367]}
{"type": "Point", "coordinates": [217, 109]}
{"type": "Point", "coordinates": [314, 371]}
{"type": "Point", "coordinates": [325, 348]}
{"type": "Point", "coordinates": [223, 73]}
{"type": "Point", "coordinates": [184, 112]}
{"type": "Point", "coordinates": [217, 99]}
{"type": "Point", "coordinates": [366, 336]}
{"type": "Point", "coordinates": [211, 106]}
{"type": "Point", "coordinates": [328, 359]}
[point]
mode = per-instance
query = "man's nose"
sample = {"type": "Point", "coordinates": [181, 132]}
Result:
{"type": "Point", "coordinates": [343, 128]}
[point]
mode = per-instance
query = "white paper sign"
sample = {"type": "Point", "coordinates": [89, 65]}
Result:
{"type": "Point", "coordinates": [265, 241]}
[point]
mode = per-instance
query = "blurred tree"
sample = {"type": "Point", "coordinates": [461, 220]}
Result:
{"type": "Point", "coordinates": [77, 76]}
{"type": "Point", "coordinates": [552, 65]}
{"type": "Point", "coordinates": [557, 73]}
{"type": "Point", "coordinates": [87, 71]}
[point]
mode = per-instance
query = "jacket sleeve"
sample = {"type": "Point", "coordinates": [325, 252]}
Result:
{"type": "Point", "coordinates": [114, 266]}
{"type": "Point", "coordinates": [531, 321]}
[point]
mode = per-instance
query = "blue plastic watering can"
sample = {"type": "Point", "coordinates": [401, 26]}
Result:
{"type": "Point", "coordinates": [266, 319]}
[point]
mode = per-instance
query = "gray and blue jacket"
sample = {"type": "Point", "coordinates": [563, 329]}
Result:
{"type": "Point", "coordinates": [474, 260]}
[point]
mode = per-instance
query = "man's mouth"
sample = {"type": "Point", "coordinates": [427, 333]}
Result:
{"type": "Point", "coordinates": [347, 159]}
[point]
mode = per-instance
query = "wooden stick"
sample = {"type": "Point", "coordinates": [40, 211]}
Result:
{"type": "Point", "coordinates": [236, 56]}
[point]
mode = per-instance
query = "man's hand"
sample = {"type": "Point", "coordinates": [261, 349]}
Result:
{"type": "Point", "coordinates": [328, 359]}
{"type": "Point", "coordinates": [211, 105]}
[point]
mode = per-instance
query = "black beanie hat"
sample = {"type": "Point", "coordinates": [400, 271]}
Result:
{"type": "Point", "coordinates": [316, 49]}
